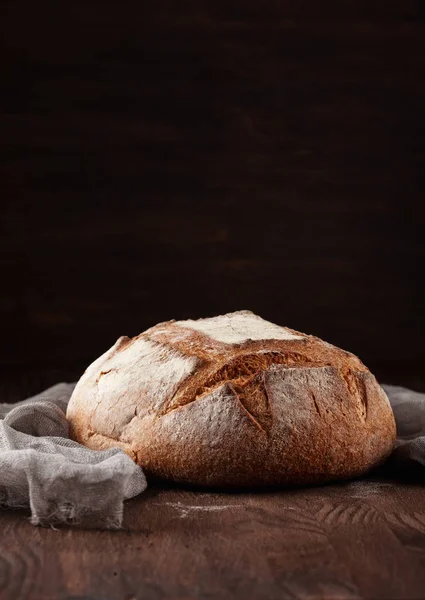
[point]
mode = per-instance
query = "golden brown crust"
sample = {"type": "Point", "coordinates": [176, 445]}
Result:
{"type": "Point", "coordinates": [190, 408]}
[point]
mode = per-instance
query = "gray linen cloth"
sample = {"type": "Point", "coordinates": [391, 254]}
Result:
{"type": "Point", "coordinates": [60, 480]}
{"type": "Point", "coordinates": [409, 412]}
{"type": "Point", "coordinates": [65, 483]}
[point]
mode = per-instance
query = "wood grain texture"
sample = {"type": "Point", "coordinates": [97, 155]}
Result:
{"type": "Point", "coordinates": [356, 540]}
{"type": "Point", "coordinates": [165, 162]}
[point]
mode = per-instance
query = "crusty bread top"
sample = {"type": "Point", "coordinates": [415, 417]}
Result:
{"type": "Point", "coordinates": [238, 327]}
{"type": "Point", "coordinates": [177, 362]}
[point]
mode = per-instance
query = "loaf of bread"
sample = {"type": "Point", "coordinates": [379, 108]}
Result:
{"type": "Point", "coordinates": [234, 400]}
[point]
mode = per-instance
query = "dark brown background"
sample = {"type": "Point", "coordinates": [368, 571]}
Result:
{"type": "Point", "coordinates": [163, 161]}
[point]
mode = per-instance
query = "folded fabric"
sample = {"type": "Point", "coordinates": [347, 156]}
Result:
{"type": "Point", "coordinates": [65, 483]}
{"type": "Point", "coordinates": [409, 411]}
{"type": "Point", "coordinates": [60, 480]}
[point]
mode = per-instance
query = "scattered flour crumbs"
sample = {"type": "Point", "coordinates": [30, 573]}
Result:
{"type": "Point", "coordinates": [364, 489]}
{"type": "Point", "coordinates": [355, 489]}
{"type": "Point", "coordinates": [185, 509]}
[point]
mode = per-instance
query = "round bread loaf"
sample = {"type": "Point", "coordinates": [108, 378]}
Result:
{"type": "Point", "coordinates": [234, 401]}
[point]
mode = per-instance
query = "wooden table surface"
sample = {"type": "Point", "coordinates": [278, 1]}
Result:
{"type": "Point", "coordinates": [363, 539]}
{"type": "Point", "coordinates": [360, 539]}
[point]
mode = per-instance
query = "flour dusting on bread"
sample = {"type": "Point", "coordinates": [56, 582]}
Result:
{"type": "Point", "coordinates": [239, 327]}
